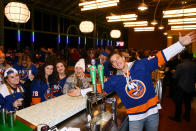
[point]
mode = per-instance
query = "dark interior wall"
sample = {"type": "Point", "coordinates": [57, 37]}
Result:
{"type": "Point", "coordinates": [146, 40]}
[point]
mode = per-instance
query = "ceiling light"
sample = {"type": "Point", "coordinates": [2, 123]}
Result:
{"type": "Point", "coordinates": [115, 33]}
{"type": "Point", "coordinates": [179, 12]}
{"type": "Point", "coordinates": [181, 21]}
{"type": "Point", "coordinates": [86, 26]}
{"type": "Point", "coordinates": [135, 23]}
{"type": "Point", "coordinates": [165, 33]}
{"type": "Point", "coordinates": [138, 29]}
{"type": "Point", "coordinates": [161, 27]}
{"type": "Point", "coordinates": [184, 27]}
{"type": "Point", "coordinates": [154, 22]}
{"type": "Point", "coordinates": [169, 37]}
{"type": "Point", "coordinates": [142, 6]}
{"type": "Point", "coordinates": [127, 17]}
{"type": "Point", "coordinates": [17, 12]}
{"type": "Point", "coordinates": [95, 4]}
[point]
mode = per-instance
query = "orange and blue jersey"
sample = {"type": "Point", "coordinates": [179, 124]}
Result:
{"type": "Point", "coordinates": [24, 72]}
{"type": "Point", "coordinates": [137, 93]}
{"type": "Point", "coordinates": [7, 98]}
{"type": "Point", "coordinates": [42, 91]}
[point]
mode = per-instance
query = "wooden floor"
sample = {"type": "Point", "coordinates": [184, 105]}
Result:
{"type": "Point", "coordinates": [168, 109]}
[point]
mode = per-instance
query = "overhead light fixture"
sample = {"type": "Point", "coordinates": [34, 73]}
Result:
{"type": "Point", "coordinates": [154, 22]}
{"type": "Point", "coordinates": [161, 27]}
{"type": "Point", "coordinates": [86, 27]}
{"type": "Point", "coordinates": [17, 12]}
{"type": "Point", "coordinates": [142, 6]}
{"type": "Point", "coordinates": [179, 12]}
{"type": "Point", "coordinates": [181, 21]}
{"type": "Point", "coordinates": [115, 33]}
{"type": "Point", "coordinates": [95, 4]}
{"type": "Point", "coordinates": [169, 37]}
{"type": "Point", "coordinates": [139, 29]}
{"type": "Point", "coordinates": [135, 23]}
{"type": "Point", "coordinates": [184, 27]}
{"type": "Point", "coordinates": [117, 18]}
{"type": "Point", "coordinates": [165, 33]}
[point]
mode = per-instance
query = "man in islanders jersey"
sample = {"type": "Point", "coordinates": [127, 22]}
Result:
{"type": "Point", "coordinates": [133, 84]}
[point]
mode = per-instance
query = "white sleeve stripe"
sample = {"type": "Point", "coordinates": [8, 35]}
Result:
{"type": "Point", "coordinates": [173, 50]}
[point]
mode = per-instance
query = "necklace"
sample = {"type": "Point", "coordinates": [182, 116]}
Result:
{"type": "Point", "coordinates": [128, 76]}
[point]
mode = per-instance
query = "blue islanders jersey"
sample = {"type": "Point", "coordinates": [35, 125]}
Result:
{"type": "Point", "coordinates": [7, 98]}
{"type": "Point", "coordinates": [136, 91]}
{"type": "Point", "coordinates": [41, 91]}
{"type": "Point", "coordinates": [24, 72]}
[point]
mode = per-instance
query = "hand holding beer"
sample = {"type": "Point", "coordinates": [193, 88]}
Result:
{"type": "Point", "coordinates": [17, 103]}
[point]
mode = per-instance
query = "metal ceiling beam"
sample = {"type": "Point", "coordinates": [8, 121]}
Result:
{"type": "Point", "coordinates": [70, 6]}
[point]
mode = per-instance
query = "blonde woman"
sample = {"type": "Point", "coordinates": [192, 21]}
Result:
{"type": "Point", "coordinates": [78, 80]}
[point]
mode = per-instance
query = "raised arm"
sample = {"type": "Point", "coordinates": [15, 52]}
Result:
{"type": "Point", "coordinates": [166, 54]}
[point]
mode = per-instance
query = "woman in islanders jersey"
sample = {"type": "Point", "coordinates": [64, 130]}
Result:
{"type": "Point", "coordinates": [11, 93]}
{"type": "Point", "coordinates": [45, 85]}
{"type": "Point", "coordinates": [133, 84]}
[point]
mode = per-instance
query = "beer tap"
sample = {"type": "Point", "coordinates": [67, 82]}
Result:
{"type": "Point", "coordinates": [93, 77]}
{"type": "Point", "coordinates": [101, 78]}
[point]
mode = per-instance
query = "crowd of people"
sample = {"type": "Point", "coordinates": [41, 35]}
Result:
{"type": "Point", "coordinates": [28, 78]}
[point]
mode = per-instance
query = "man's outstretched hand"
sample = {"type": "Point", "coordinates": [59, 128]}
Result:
{"type": "Point", "coordinates": [187, 39]}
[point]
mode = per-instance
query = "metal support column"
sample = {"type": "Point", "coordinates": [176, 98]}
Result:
{"type": "Point", "coordinates": [2, 23]}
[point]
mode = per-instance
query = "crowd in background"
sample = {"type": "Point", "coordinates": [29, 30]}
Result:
{"type": "Point", "coordinates": [28, 78]}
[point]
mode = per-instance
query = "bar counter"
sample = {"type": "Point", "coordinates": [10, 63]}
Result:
{"type": "Point", "coordinates": [66, 111]}
{"type": "Point", "coordinates": [79, 120]}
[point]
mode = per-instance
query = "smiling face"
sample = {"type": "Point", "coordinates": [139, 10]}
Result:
{"type": "Point", "coordinates": [13, 79]}
{"type": "Point", "coordinates": [79, 71]}
{"type": "Point", "coordinates": [24, 63]}
{"type": "Point", "coordinates": [102, 57]}
{"type": "Point", "coordinates": [117, 61]}
{"type": "Point", "coordinates": [2, 59]}
{"type": "Point", "coordinates": [60, 68]}
{"type": "Point", "coordinates": [48, 70]}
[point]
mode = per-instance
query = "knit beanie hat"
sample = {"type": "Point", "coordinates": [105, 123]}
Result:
{"type": "Point", "coordinates": [81, 64]}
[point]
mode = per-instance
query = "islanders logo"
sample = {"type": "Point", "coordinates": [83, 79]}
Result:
{"type": "Point", "coordinates": [136, 89]}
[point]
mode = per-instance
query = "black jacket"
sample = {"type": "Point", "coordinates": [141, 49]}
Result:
{"type": "Point", "coordinates": [185, 76]}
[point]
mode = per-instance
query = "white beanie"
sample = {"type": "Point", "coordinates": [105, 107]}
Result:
{"type": "Point", "coordinates": [9, 69]}
{"type": "Point", "coordinates": [81, 64]}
